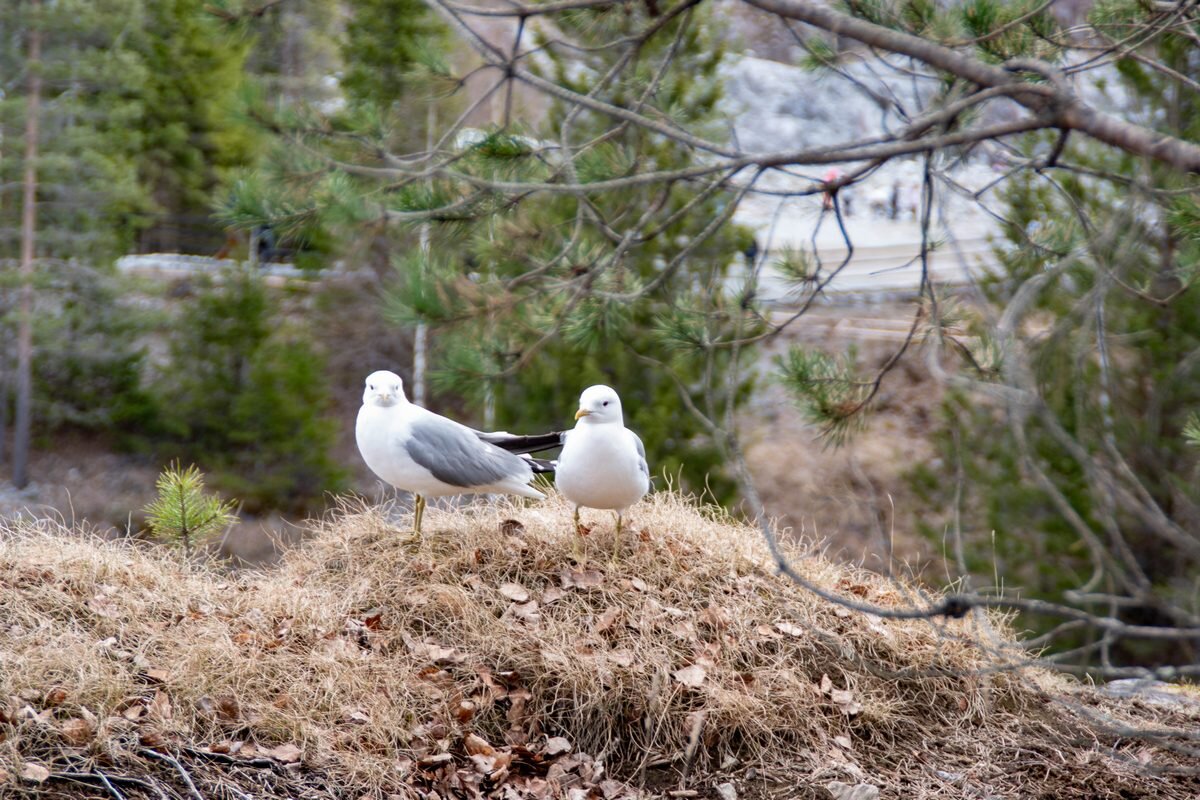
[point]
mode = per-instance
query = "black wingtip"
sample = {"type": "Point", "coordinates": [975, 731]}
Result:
{"type": "Point", "coordinates": [517, 443]}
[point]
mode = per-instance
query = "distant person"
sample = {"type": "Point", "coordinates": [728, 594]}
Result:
{"type": "Point", "coordinates": [751, 253]}
{"type": "Point", "coordinates": [832, 175]}
{"type": "Point", "coordinates": [265, 251]}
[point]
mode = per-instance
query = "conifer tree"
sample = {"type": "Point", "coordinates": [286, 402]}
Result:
{"type": "Point", "coordinates": [1081, 487]}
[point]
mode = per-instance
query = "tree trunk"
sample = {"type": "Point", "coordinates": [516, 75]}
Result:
{"type": "Point", "coordinates": [22, 432]}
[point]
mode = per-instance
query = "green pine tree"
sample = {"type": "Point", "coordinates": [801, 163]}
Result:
{"type": "Point", "coordinates": [182, 513]}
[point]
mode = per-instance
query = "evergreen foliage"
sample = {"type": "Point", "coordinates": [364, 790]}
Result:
{"type": "Point", "coordinates": [182, 513]}
{"type": "Point", "coordinates": [89, 358]}
{"type": "Point", "coordinates": [386, 44]}
{"type": "Point", "coordinates": [249, 397]}
{"type": "Point", "coordinates": [1114, 366]}
{"type": "Point", "coordinates": [190, 128]}
{"type": "Point", "coordinates": [533, 302]}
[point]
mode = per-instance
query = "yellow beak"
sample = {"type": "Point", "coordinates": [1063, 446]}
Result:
{"type": "Point", "coordinates": [583, 412]}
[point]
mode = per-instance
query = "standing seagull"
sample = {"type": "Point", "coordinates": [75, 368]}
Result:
{"type": "Point", "coordinates": [603, 463]}
{"type": "Point", "coordinates": [431, 456]}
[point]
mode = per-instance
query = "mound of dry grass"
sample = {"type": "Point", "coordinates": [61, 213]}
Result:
{"type": "Point", "coordinates": [492, 659]}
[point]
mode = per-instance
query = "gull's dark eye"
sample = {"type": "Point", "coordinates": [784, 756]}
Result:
{"type": "Point", "coordinates": [371, 386]}
{"type": "Point", "coordinates": [604, 403]}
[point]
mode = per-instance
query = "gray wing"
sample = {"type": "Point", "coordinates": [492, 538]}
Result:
{"type": "Point", "coordinates": [456, 456]}
{"type": "Point", "coordinates": [642, 465]}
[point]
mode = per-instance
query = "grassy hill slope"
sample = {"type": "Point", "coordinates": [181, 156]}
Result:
{"type": "Point", "coordinates": [502, 656]}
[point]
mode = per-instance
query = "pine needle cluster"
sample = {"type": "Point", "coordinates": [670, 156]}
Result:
{"type": "Point", "coordinates": [182, 513]}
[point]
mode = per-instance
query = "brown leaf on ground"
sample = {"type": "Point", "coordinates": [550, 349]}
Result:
{"type": "Point", "coordinates": [622, 658]}
{"type": "Point", "coordinates": [692, 676]}
{"type": "Point", "coordinates": [844, 699]}
{"type": "Point", "coordinates": [512, 527]}
{"type": "Point", "coordinates": [557, 745]}
{"type": "Point", "coordinates": [435, 653]}
{"type": "Point", "coordinates": [476, 745]}
{"type": "Point", "coordinates": [77, 732]}
{"type": "Point", "coordinates": [34, 773]}
{"type": "Point", "coordinates": [464, 712]}
{"type": "Point", "coordinates": [159, 706]}
{"type": "Point", "coordinates": [714, 616]}
{"type": "Point", "coordinates": [55, 697]}
{"type": "Point", "coordinates": [552, 594]}
{"type": "Point", "coordinates": [285, 753]}
{"type": "Point", "coordinates": [844, 791]}
{"type": "Point", "coordinates": [515, 592]}
{"type": "Point", "coordinates": [607, 619]}
{"type": "Point", "coordinates": [156, 675]}
{"type": "Point", "coordinates": [790, 629]}
{"type": "Point", "coordinates": [528, 612]}
{"type": "Point", "coordinates": [581, 578]}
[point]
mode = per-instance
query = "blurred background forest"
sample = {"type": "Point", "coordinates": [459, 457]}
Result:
{"type": "Point", "coordinates": [262, 133]}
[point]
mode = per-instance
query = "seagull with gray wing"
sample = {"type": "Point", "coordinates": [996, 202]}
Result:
{"type": "Point", "coordinates": [429, 455]}
{"type": "Point", "coordinates": [603, 463]}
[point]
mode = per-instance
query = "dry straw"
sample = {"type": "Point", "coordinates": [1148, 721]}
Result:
{"type": "Point", "coordinates": [367, 655]}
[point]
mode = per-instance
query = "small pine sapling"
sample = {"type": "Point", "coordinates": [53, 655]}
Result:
{"type": "Point", "coordinates": [182, 512]}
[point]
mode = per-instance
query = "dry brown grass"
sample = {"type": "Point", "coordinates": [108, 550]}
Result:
{"type": "Point", "coordinates": [374, 655]}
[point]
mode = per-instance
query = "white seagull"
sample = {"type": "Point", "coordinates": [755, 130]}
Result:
{"type": "Point", "coordinates": [603, 463]}
{"type": "Point", "coordinates": [429, 455]}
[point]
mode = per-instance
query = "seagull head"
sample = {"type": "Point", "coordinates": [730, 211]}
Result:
{"type": "Point", "coordinates": [383, 389]}
{"type": "Point", "coordinates": [599, 404]}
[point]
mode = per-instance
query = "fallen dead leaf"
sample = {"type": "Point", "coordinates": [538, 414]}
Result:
{"type": "Point", "coordinates": [160, 706]}
{"type": "Point", "coordinates": [515, 592]}
{"type": "Point", "coordinates": [512, 527]}
{"type": "Point", "coordinates": [552, 594]}
{"type": "Point", "coordinates": [465, 711]}
{"type": "Point", "coordinates": [715, 617]}
{"type": "Point", "coordinates": [639, 584]}
{"type": "Point", "coordinates": [826, 684]}
{"type": "Point", "coordinates": [55, 697]}
{"type": "Point", "coordinates": [692, 676]}
{"type": "Point", "coordinates": [769, 632]}
{"type": "Point", "coordinates": [34, 773]}
{"type": "Point", "coordinates": [622, 658]}
{"type": "Point", "coordinates": [607, 619]}
{"type": "Point", "coordinates": [790, 629]}
{"type": "Point", "coordinates": [581, 578]}
{"type": "Point", "coordinates": [285, 753]}
{"type": "Point", "coordinates": [860, 791]}
{"type": "Point", "coordinates": [77, 732]}
{"type": "Point", "coordinates": [477, 746]}
{"type": "Point", "coordinates": [844, 699]}
{"type": "Point", "coordinates": [726, 791]}
{"type": "Point", "coordinates": [156, 675]}
{"type": "Point", "coordinates": [557, 745]}
{"type": "Point", "coordinates": [527, 612]}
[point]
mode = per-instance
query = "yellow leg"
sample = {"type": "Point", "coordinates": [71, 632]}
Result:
{"type": "Point", "coordinates": [418, 513]}
{"type": "Point", "coordinates": [577, 539]}
{"type": "Point", "coordinates": [617, 538]}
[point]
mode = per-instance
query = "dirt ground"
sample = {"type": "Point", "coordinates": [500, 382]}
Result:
{"type": "Point", "coordinates": [855, 498]}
